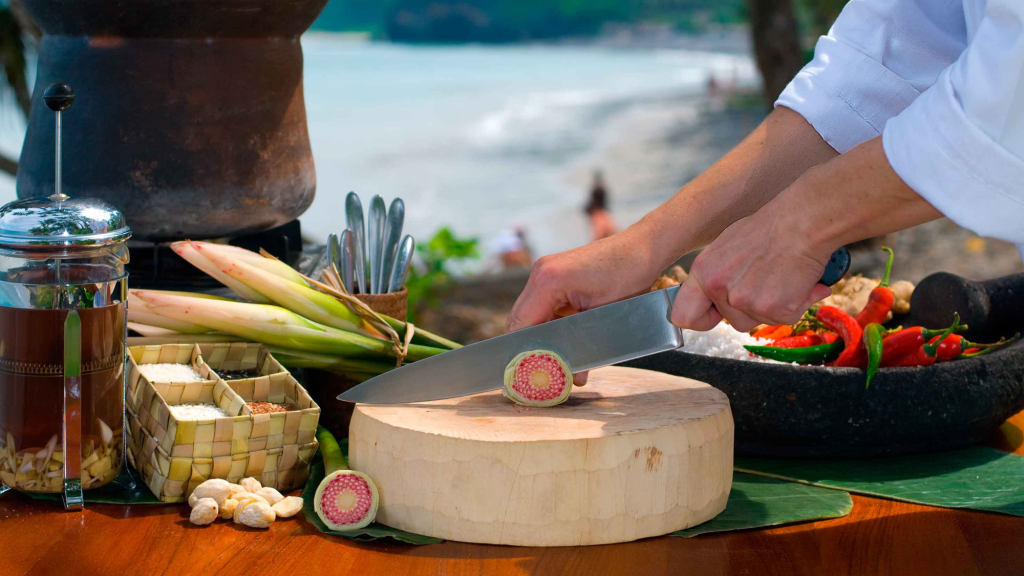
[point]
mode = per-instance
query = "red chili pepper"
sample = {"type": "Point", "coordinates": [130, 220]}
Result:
{"type": "Point", "coordinates": [807, 332]}
{"type": "Point", "coordinates": [849, 330]}
{"type": "Point", "coordinates": [829, 337]}
{"type": "Point", "coordinates": [764, 332]}
{"type": "Point", "coordinates": [956, 345]}
{"type": "Point", "coordinates": [916, 358]}
{"type": "Point", "coordinates": [905, 342]}
{"type": "Point", "coordinates": [881, 298]}
{"type": "Point", "coordinates": [798, 341]}
{"type": "Point", "coordinates": [927, 354]}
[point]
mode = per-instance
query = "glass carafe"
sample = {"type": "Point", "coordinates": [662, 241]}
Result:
{"type": "Point", "coordinates": [63, 294]}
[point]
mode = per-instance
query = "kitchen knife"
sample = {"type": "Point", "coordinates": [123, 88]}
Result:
{"type": "Point", "coordinates": [609, 334]}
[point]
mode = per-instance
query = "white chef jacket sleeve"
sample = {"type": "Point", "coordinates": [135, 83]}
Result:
{"type": "Point", "coordinates": [960, 145]}
{"type": "Point", "coordinates": [877, 59]}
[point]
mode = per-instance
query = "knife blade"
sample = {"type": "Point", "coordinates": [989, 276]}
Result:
{"type": "Point", "coordinates": [606, 335]}
{"type": "Point", "coordinates": [610, 334]}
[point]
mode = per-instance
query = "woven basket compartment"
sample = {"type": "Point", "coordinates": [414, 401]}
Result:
{"type": "Point", "coordinates": [174, 456]}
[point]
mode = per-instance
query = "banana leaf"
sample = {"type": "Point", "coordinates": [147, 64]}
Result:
{"type": "Point", "coordinates": [974, 478]}
{"type": "Point", "coordinates": [758, 502]}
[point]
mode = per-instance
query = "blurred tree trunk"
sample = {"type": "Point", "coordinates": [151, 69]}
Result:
{"type": "Point", "coordinates": [15, 23]}
{"type": "Point", "coordinates": [776, 44]}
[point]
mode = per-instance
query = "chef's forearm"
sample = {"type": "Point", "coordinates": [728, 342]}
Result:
{"type": "Point", "coordinates": [852, 197]}
{"type": "Point", "coordinates": [774, 155]}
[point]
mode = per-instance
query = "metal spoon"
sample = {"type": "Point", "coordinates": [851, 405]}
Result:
{"type": "Point", "coordinates": [392, 238]}
{"type": "Point", "coordinates": [402, 261]}
{"type": "Point", "coordinates": [354, 217]}
{"type": "Point", "coordinates": [375, 240]}
{"type": "Point", "coordinates": [348, 257]}
{"type": "Point", "coordinates": [333, 252]}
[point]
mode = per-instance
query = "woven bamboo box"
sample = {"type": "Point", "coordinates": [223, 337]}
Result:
{"type": "Point", "coordinates": [174, 456]}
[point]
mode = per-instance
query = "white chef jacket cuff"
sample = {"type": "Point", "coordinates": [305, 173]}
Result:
{"type": "Point", "coordinates": [846, 96]}
{"type": "Point", "coordinates": [936, 149]}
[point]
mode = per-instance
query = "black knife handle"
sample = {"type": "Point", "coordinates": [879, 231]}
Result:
{"type": "Point", "coordinates": [837, 267]}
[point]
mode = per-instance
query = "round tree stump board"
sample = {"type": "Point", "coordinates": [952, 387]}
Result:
{"type": "Point", "coordinates": [633, 454]}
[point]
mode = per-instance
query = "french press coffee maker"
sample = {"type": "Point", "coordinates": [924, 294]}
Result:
{"type": "Point", "coordinates": [63, 294]}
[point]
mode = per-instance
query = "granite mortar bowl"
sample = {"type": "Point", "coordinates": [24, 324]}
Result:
{"type": "Point", "coordinates": [817, 412]}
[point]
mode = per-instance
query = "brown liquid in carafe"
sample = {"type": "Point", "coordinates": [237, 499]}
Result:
{"type": "Point", "coordinates": [32, 396]}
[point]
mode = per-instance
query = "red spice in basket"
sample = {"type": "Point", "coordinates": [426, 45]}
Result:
{"type": "Point", "coordinates": [267, 407]}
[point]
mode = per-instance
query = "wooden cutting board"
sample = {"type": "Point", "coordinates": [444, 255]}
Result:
{"type": "Point", "coordinates": [633, 454]}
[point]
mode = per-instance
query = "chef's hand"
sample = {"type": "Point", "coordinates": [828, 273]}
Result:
{"type": "Point", "coordinates": [599, 273]}
{"type": "Point", "coordinates": [764, 269]}
{"type": "Point", "coordinates": [755, 272]}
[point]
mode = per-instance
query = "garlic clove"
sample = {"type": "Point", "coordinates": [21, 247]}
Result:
{"type": "Point", "coordinates": [204, 512]}
{"type": "Point", "coordinates": [257, 515]}
{"type": "Point", "coordinates": [288, 507]}
{"type": "Point", "coordinates": [271, 495]}
{"type": "Point", "coordinates": [106, 434]}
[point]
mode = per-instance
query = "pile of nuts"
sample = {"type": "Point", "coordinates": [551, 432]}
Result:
{"type": "Point", "coordinates": [247, 503]}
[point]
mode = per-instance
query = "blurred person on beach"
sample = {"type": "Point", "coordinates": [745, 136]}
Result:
{"type": "Point", "coordinates": [513, 250]}
{"type": "Point", "coordinates": [908, 112]}
{"type": "Point", "coordinates": [601, 223]}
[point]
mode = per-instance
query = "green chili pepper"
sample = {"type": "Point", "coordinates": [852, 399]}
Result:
{"type": "Point", "coordinates": [873, 334]}
{"type": "Point", "coordinates": [810, 355]}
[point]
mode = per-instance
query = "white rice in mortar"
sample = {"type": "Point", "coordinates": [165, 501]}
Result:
{"type": "Point", "coordinates": [723, 341]}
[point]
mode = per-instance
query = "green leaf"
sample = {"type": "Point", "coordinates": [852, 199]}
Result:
{"type": "Point", "coordinates": [127, 488]}
{"type": "Point", "coordinates": [975, 478]}
{"type": "Point", "coordinates": [371, 532]}
{"type": "Point", "coordinates": [757, 502]}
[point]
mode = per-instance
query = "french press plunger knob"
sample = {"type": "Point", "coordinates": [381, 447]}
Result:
{"type": "Point", "coordinates": [58, 97]}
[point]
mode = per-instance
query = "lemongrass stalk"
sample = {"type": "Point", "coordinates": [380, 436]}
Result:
{"type": "Point", "coordinates": [187, 250]}
{"type": "Point", "coordinates": [421, 336]}
{"type": "Point", "coordinates": [296, 297]}
{"type": "Point", "coordinates": [211, 338]}
{"type": "Point", "coordinates": [157, 321]}
{"type": "Point", "coordinates": [153, 331]}
{"type": "Point", "coordinates": [302, 359]}
{"type": "Point", "coordinates": [139, 313]}
{"type": "Point", "coordinates": [275, 326]}
{"type": "Point", "coordinates": [271, 265]}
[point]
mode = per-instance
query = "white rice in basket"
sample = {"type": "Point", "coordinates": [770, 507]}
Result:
{"type": "Point", "coordinates": [723, 341]}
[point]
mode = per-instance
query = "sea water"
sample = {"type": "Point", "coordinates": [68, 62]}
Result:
{"type": "Point", "coordinates": [487, 138]}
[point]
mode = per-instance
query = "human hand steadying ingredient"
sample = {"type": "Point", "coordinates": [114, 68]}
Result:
{"type": "Point", "coordinates": [599, 273]}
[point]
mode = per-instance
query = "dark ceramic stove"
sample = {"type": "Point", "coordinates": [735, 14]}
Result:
{"type": "Point", "coordinates": [154, 265]}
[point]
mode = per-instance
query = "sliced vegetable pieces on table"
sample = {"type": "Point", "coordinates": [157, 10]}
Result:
{"type": "Point", "coordinates": [538, 379]}
{"type": "Point", "coordinates": [345, 499]}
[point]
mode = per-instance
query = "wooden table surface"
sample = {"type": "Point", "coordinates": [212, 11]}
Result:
{"type": "Point", "coordinates": [879, 537]}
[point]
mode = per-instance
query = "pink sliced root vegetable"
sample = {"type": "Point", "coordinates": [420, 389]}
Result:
{"type": "Point", "coordinates": [539, 378]}
{"type": "Point", "coordinates": [346, 499]}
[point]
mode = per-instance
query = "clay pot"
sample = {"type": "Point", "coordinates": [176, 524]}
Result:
{"type": "Point", "coordinates": [189, 114]}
